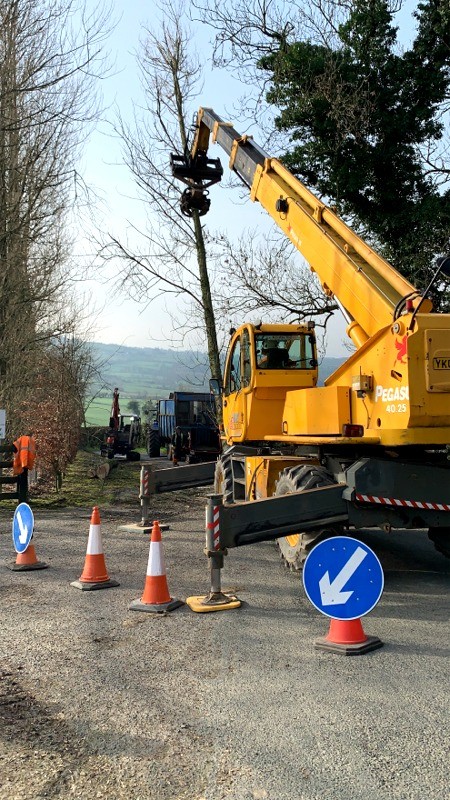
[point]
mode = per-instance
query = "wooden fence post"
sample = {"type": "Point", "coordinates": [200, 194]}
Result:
{"type": "Point", "coordinates": [21, 481]}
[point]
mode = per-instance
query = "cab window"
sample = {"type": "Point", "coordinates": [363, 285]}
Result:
{"type": "Point", "coordinates": [246, 362]}
{"type": "Point", "coordinates": [285, 351]}
{"type": "Point", "coordinates": [233, 376]}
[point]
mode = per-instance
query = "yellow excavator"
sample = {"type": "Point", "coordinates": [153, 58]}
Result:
{"type": "Point", "coordinates": [370, 448]}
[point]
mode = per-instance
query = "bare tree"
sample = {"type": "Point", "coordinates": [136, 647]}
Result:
{"type": "Point", "coordinates": [169, 257]}
{"type": "Point", "coordinates": [266, 280]}
{"type": "Point", "coordinates": [245, 32]}
{"type": "Point", "coordinates": [51, 54]}
{"type": "Point", "coordinates": [55, 413]}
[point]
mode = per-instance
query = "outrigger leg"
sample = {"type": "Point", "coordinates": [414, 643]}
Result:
{"type": "Point", "coordinates": [216, 600]}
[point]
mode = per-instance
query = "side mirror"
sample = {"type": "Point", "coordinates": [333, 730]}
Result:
{"type": "Point", "coordinates": [215, 387]}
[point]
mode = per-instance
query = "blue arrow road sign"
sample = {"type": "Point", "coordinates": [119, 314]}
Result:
{"type": "Point", "coordinates": [343, 578]}
{"type": "Point", "coordinates": [22, 527]}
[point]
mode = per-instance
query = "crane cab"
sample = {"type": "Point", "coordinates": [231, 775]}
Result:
{"type": "Point", "coordinates": [263, 363]}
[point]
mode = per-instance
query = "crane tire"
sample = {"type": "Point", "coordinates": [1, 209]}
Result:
{"type": "Point", "coordinates": [295, 548]}
{"type": "Point", "coordinates": [223, 479]}
{"type": "Point", "coordinates": [154, 444]}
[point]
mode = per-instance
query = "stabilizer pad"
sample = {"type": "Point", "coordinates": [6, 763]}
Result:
{"type": "Point", "coordinates": [200, 605]}
{"type": "Point", "coordinates": [136, 527]}
{"type": "Point", "coordinates": [90, 587]}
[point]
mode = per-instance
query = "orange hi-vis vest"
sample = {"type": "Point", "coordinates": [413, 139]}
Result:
{"type": "Point", "coordinates": [26, 454]}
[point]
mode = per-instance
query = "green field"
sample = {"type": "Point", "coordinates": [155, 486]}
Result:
{"type": "Point", "coordinates": [140, 374]}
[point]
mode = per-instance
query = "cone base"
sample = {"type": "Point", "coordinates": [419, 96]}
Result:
{"type": "Point", "coordinates": [158, 608]}
{"type": "Point", "coordinates": [215, 602]}
{"type": "Point", "coordinates": [27, 567]}
{"type": "Point", "coordinates": [90, 587]}
{"type": "Point", "coordinates": [370, 643]}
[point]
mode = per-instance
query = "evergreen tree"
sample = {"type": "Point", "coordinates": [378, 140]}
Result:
{"type": "Point", "coordinates": [364, 118]}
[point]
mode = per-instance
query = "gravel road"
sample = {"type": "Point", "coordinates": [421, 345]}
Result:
{"type": "Point", "coordinates": [98, 701]}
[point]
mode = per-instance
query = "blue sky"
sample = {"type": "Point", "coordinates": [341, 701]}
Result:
{"type": "Point", "coordinates": [115, 318]}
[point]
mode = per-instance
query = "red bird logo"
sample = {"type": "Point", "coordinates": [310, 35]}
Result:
{"type": "Point", "coordinates": [402, 348]}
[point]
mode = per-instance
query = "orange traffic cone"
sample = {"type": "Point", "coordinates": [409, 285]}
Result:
{"type": "Point", "coordinates": [156, 595]}
{"type": "Point", "coordinates": [94, 575]}
{"type": "Point", "coordinates": [346, 636]}
{"type": "Point", "coordinates": [28, 560]}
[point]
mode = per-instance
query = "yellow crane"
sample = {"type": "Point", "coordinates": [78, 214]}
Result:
{"type": "Point", "coordinates": [378, 431]}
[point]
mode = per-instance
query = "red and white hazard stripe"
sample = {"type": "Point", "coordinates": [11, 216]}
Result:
{"type": "Point", "coordinates": [144, 482]}
{"type": "Point", "coordinates": [216, 530]}
{"type": "Point", "coordinates": [214, 527]}
{"type": "Point", "coordinates": [394, 501]}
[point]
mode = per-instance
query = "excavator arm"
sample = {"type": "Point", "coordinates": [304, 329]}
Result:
{"type": "Point", "coordinates": [370, 292]}
{"type": "Point", "coordinates": [114, 419]}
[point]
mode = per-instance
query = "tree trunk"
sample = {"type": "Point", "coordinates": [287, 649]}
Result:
{"type": "Point", "coordinates": [210, 322]}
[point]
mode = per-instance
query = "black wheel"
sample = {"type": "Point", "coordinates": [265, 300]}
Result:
{"type": "Point", "coordinates": [223, 479]}
{"type": "Point", "coordinates": [295, 548]}
{"type": "Point", "coordinates": [154, 444]}
{"type": "Point", "coordinates": [133, 455]}
{"type": "Point", "coordinates": [441, 540]}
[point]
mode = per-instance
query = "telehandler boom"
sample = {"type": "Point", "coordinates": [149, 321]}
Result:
{"type": "Point", "coordinates": [376, 436]}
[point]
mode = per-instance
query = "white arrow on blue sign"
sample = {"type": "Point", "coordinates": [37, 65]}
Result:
{"type": "Point", "coordinates": [22, 527]}
{"type": "Point", "coordinates": [343, 578]}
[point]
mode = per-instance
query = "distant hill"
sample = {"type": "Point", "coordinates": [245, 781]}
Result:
{"type": "Point", "coordinates": [141, 372]}
{"type": "Point", "coordinates": [146, 371]}
{"type": "Point", "coordinates": [327, 366]}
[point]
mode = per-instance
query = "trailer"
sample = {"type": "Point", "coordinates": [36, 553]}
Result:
{"type": "Point", "coordinates": [195, 414]}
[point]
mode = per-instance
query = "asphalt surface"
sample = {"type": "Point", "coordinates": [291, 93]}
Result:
{"type": "Point", "coordinates": [99, 701]}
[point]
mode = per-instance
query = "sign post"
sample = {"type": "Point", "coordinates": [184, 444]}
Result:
{"type": "Point", "coordinates": [22, 528]}
{"type": "Point", "coordinates": [344, 580]}
{"type": "Point", "coordinates": [22, 532]}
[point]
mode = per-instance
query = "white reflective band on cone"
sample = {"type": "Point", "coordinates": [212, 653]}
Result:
{"type": "Point", "coordinates": [94, 547]}
{"type": "Point", "coordinates": [156, 564]}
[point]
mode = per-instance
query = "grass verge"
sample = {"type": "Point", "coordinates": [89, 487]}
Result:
{"type": "Point", "coordinates": [120, 487]}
